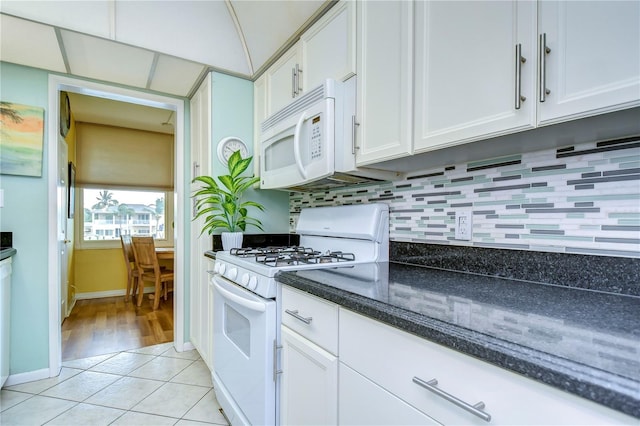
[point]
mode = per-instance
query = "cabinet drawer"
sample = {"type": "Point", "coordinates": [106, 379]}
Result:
{"type": "Point", "coordinates": [362, 402]}
{"type": "Point", "coordinates": [393, 358]}
{"type": "Point", "coordinates": [311, 317]}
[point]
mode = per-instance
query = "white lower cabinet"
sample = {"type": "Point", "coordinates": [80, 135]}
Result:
{"type": "Point", "coordinates": [395, 360]}
{"type": "Point", "coordinates": [309, 381]}
{"type": "Point", "coordinates": [375, 374]}
{"type": "Point", "coordinates": [363, 402]}
{"type": "Point", "coordinates": [5, 317]}
{"type": "Point", "coordinates": [309, 387]}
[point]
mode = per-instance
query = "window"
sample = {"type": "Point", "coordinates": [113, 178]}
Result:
{"type": "Point", "coordinates": [108, 214]}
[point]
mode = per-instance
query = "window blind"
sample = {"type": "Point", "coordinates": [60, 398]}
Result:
{"type": "Point", "coordinates": [118, 157]}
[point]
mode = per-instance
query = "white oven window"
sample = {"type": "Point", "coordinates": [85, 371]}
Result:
{"type": "Point", "coordinates": [238, 329]}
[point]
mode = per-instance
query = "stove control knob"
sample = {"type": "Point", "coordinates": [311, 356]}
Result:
{"type": "Point", "coordinates": [222, 268]}
{"type": "Point", "coordinates": [253, 282]}
{"type": "Point", "coordinates": [245, 279]}
{"type": "Point", "coordinates": [232, 274]}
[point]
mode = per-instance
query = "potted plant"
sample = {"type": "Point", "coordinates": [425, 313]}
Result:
{"type": "Point", "coordinates": [221, 203]}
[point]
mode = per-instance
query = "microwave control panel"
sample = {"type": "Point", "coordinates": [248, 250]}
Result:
{"type": "Point", "coordinates": [316, 138]}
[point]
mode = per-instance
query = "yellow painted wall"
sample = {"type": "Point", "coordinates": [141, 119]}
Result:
{"type": "Point", "coordinates": [100, 270]}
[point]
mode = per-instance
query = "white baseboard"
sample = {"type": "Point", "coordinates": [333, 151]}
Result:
{"type": "Point", "coordinates": [187, 346]}
{"type": "Point", "coordinates": [71, 306]}
{"type": "Point", "coordinates": [108, 293]}
{"type": "Point", "coordinates": [30, 376]}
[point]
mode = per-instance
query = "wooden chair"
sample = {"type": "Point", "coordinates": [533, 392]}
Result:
{"type": "Point", "coordinates": [132, 269]}
{"type": "Point", "coordinates": [144, 251]}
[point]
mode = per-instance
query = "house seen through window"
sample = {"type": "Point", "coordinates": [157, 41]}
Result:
{"type": "Point", "coordinates": [111, 213]}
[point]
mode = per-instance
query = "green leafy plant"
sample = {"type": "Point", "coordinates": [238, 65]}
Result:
{"type": "Point", "coordinates": [221, 203]}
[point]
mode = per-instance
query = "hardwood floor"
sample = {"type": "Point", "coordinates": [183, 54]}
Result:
{"type": "Point", "coordinates": [101, 326]}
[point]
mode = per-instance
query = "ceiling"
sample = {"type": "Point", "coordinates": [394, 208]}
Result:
{"type": "Point", "coordinates": [166, 46]}
{"type": "Point", "coordinates": [96, 110]}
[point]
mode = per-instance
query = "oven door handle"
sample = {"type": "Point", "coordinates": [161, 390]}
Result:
{"type": "Point", "coordinates": [246, 303]}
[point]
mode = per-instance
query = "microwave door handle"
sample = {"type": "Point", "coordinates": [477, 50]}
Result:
{"type": "Point", "coordinates": [296, 146]}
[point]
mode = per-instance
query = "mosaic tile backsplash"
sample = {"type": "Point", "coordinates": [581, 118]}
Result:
{"type": "Point", "coordinates": [582, 199]}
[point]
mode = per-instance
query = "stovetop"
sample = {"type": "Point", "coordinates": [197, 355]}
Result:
{"type": "Point", "coordinates": [256, 268]}
{"type": "Point", "coordinates": [330, 237]}
{"type": "Point", "coordinates": [291, 255]}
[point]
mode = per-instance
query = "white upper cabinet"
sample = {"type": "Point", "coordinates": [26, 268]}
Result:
{"type": "Point", "coordinates": [593, 60]}
{"type": "Point", "coordinates": [385, 75]}
{"type": "Point", "coordinates": [489, 68]}
{"type": "Point", "coordinates": [470, 82]}
{"type": "Point", "coordinates": [281, 82]}
{"type": "Point", "coordinates": [328, 48]}
{"type": "Point", "coordinates": [259, 114]}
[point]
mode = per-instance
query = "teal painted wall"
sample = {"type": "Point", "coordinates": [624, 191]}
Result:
{"type": "Point", "coordinates": [26, 205]}
{"type": "Point", "coordinates": [25, 214]}
{"type": "Point", "coordinates": [232, 115]}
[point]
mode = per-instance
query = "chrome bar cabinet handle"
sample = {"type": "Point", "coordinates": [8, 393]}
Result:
{"type": "Point", "coordinates": [519, 61]}
{"type": "Point", "coordinates": [298, 72]}
{"type": "Point", "coordinates": [295, 314]}
{"type": "Point", "coordinates": [475, 409]}
{"type": "Point", "coordinates": [196, 167]}
{"type": "Point", "coordinates": [276, 371]}
{"type": "Point", "coordinates": [543, 51]}
{"type": "Point", "coordinates": [354, 124]}
{"type": "Point", "coordinates": [293, 82]}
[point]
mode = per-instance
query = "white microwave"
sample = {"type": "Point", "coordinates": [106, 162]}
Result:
{"type": "Point", "coordinates": [310, 143]}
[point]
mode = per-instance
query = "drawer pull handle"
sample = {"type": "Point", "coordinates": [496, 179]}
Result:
{"type": "Point", "coordinates": [475, 409]}
{"type": "Point", "coordinates": [295, 314]}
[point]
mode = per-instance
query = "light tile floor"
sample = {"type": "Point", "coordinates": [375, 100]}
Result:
{"type": "Point", "coordinates": [149, 386]}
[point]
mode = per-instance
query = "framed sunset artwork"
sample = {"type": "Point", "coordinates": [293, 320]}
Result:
{"type": "Point", "coordinates": [21, 139]}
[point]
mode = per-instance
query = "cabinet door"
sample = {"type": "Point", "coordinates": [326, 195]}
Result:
{"type": "Point", "coordinates": [593, 65]}
{"type": "Point", "coordinates": [201, 165]}
{"type": "Point", "coordinates": [510, 399]}
{"type": "Point", "coordinates": [309, 387]}
{"type": "Point", "coordinates": [280, 82]}
{"type": "Point", "coordinates": [329, 48]}
{"type": "Point", "coordinates": [467, 70]}
{"type": "Point", "coordinates": [259, 114]}
{"type": "Point", "coordinates": [385, 30]}
{"type": "Point", "coordinates": [362, 402]}
{"type": "Point", "coordinates": [5, 318]}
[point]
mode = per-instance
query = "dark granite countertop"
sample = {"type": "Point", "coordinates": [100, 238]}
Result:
{"type": "Point", "coordinates": [582, 341]}
{"type": "Point", "coordinates": [7, 252]}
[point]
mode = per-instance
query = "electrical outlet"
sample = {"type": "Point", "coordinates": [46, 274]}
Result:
{"type": "Point", "coordinates": [464, 225]}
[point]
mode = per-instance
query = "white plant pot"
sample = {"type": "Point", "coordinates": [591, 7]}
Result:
{"type": "Point", "coordinates": [231, 240]}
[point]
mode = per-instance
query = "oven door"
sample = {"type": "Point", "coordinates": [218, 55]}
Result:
{"type": "Point", "coordinates": [244, 342]}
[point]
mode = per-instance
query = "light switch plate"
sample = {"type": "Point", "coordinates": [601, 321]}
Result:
{"type": "Point", "coordinates": [1, 197]}
{"type": "Point", "coordinates": [464, 225]}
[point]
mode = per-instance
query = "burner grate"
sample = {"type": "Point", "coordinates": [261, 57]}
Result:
{"type": "Point", "coordinates": [294, 255]}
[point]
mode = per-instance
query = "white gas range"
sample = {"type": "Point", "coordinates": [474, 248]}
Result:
{"type": "Point", "coordinates": [246, 309]}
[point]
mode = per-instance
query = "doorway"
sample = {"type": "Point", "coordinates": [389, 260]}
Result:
{"type": "Point", "coordinates": [72, 85]}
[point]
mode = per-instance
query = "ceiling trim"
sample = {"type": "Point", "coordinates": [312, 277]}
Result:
{"type": "Point", "coordinates": [63, 51]}
{"type": "Point", "coordinates": [243, 40]}
{"type": "Point", "coordinates": [152, 70]}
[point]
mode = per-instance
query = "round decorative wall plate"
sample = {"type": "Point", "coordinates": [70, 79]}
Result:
{"type": "Point", "coordinates": [228, 146]}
